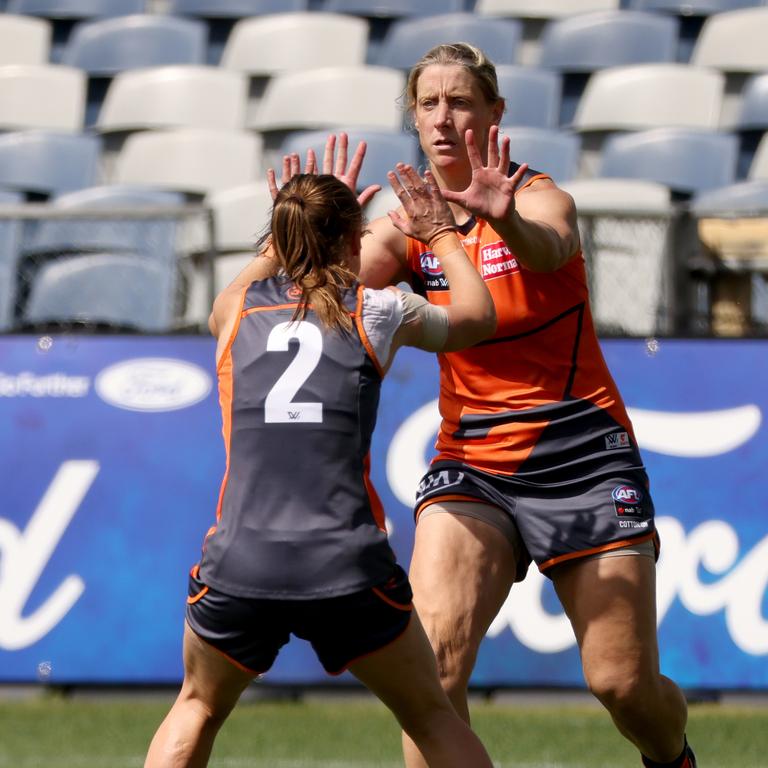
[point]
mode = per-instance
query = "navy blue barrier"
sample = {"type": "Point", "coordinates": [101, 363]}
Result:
{"type": "Point", "coordinates": [112, 457]}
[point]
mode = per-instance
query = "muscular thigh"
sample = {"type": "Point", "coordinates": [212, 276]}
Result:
{"type": "Point", "coordinates": [611, 602]}
{"type": "Point", "coordinates": [461, 572]}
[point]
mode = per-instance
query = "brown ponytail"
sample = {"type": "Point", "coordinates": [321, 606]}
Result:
{"type": "Point", "coordinates": [314, 221]}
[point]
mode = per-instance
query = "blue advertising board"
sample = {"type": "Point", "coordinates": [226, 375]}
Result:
{"type": "Point", "coordinates": [112, 456]}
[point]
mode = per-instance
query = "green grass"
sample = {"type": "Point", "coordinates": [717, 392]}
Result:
{"type": "Point", "coordinates": [353, 732]}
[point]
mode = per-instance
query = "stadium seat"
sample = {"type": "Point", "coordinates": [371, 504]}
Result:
{"type": "Point", "coordinates": [552, 152]}
{"type": "Point", "coordinates": [743, 197]}
{"type": "Point", "coordinates": [240, 215]}
{"type": "Point", "coordinates": [577, 46]}
{"type": "Point", "coordinates": [287, 42]}
{"type": "Point", "coordinates": [194, 161]}
{"type": "Point", "coordinates": [688, 161]}
{"type": "Point", "coordinates": [10, 237]}
{"type": "Point", "coordinates": [407, 40]}
{"type": "Point", "coordinates": [380, 15]}
{"type": "Point", "coordinates": [45, 96]}
{"type": "Point", "coordinates": [47, 163]}
{"type": "Point", "coordinates": [751, 119]}
{"type": "Point", "coordinates": [24, 40]}
{"type": "Point", "coordinates": [650, 95]}
{"type": "Point", "coordinates": [152, 237]}
{"type": "Point", "coordinates": [332, 97]}
{"type": "Point", "coordinates": [385, 148]}
{"type": "Point", "coordinates": [118, 290]}
{"type": "Point", "coordinates": [643, 96]}
{"type": "Point", "coordinates": [75, 9]}
{"type": "Point", "coordinates": [592, 41]}
{"type": "Point", "coordinates": [753, 112]}
{"type": "Point", "coordinates": [105, 47]}
{"type": "Point", "coordinates": [174, 96]}
{"type": "Point", "coordinates": [542, 9]}
{"type": "Point", "coordinates": [692, 7]}
{"type": "Point", "coordinates": [221, 15]}
{"type": "Point", "coordinates": [691, 15]}
{"type": "Point", "coordinates": [535, 15]}
{"type": "Point", "coordinates": [394, 9]}
{"type": "Point", "coordinates": [601, 195]}
{"type": "Point", "coordinates": [759, 166]}
{"type": "Point", "coordinates": [233, 9]}
{"type": "Point", "coordinates": [64, 14]}
{"type": "Point", "coordinates": [532, 96]}
{"type": "Point", "coordinates": [717, 47]}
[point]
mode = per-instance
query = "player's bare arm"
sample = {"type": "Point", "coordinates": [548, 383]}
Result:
{"type": "Point", "coordinates": [538, 223]}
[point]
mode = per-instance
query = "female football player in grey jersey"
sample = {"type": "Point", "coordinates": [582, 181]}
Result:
{"type": "Point", "coordinates": [299, 543]}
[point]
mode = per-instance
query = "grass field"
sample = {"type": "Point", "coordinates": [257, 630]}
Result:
{"type": "Point", "coordinates": [353, 732]}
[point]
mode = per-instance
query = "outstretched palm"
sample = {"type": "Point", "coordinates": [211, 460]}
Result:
{"type": "Point", "coordinates": [491, 192]}
{"type": "Point", "coordinates": [333, 163]}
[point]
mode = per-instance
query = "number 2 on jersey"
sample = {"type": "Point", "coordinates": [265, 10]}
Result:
{"type": "Point", "coordinates": [279, 406]}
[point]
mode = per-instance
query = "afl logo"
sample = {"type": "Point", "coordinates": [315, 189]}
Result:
{"type": "Point", "coordinates": [627, 494]}
{"type": "Point", "coordinates": [430, 265]}
{"type": "Point", "coordinates": [294, 292]}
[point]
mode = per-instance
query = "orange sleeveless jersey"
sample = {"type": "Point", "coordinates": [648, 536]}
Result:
{"type": "Point", "coordinates": [537, 397]}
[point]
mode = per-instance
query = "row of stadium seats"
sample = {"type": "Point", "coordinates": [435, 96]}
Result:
{"type": "Point", "coordinates": [42, 164]}
{"type": "Point", "coordinates": [573, 49]}
{"type": "Point", "coordinates": [576, 42]}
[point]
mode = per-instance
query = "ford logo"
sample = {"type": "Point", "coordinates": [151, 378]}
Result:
{"type": "Point", "coordinates": [153, 384]}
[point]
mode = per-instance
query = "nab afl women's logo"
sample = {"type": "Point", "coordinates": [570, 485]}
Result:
{"type": "Point", "coordinates": [430, 264]}
{"type": "Point", "coordinates": [627, 499]}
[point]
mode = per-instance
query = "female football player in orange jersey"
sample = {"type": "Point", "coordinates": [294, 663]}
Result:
{"type": "Point", "coordinates": [536, 457]}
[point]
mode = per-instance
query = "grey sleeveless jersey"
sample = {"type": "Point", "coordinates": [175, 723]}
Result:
{"type": "Point", "coordinates": [297, 517]}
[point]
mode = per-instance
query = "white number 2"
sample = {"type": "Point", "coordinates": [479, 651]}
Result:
{"type": "Point", "coordinates": [279, 406]}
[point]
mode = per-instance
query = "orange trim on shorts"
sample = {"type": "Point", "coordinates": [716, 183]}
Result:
{"type": "Point", "coordinates": [389, 601]}
{"type": "Point", "coordinates": [451, 497]}
{"type": "Point", "coordinates": [652, 536]}
{"type": "Point", "coordinates": [199, 596]}
{"type": "Point", "coordinates": [232, 661]}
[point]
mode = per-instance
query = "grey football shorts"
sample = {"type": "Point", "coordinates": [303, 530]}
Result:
{"type": "Point", "coordinates": [251, 631]}
{"type": "Point", "coordinates": [548, 524]}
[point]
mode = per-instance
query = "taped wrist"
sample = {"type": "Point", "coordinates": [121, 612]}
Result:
{"type": "Point", "coordinates": [445, 241]}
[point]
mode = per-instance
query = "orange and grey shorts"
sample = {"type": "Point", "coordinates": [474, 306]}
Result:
{"type": "Point", "coordinates": [548, 524]}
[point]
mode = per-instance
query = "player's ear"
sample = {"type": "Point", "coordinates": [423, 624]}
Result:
{"type": "Point", "coordinates": [497, 111]}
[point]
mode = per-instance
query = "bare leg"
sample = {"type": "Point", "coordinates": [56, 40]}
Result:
{"type": "Point", "coordinates": [212, 685]}
{"type": "Point", "coordinates": [404, 676]}
{"type": "Point", "coordinates": [461, 572]}
{"type": "Point", "coordinates": [611, 603]}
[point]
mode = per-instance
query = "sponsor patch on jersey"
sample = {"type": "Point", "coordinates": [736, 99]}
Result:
{"type": "Point", "coordinates": [628, 503]}
{"type": "Point", "coordinates": [617, 440]}
{"type": "Point", "coordinates": [434, 279]}
{"type": "Point", "coordinates": [496, 260]}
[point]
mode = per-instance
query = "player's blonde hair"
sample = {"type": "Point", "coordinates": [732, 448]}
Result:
{"type": "Point", "coordinates": [461, 54]}
{"type": "Point", "coordinates": [314, 218]}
